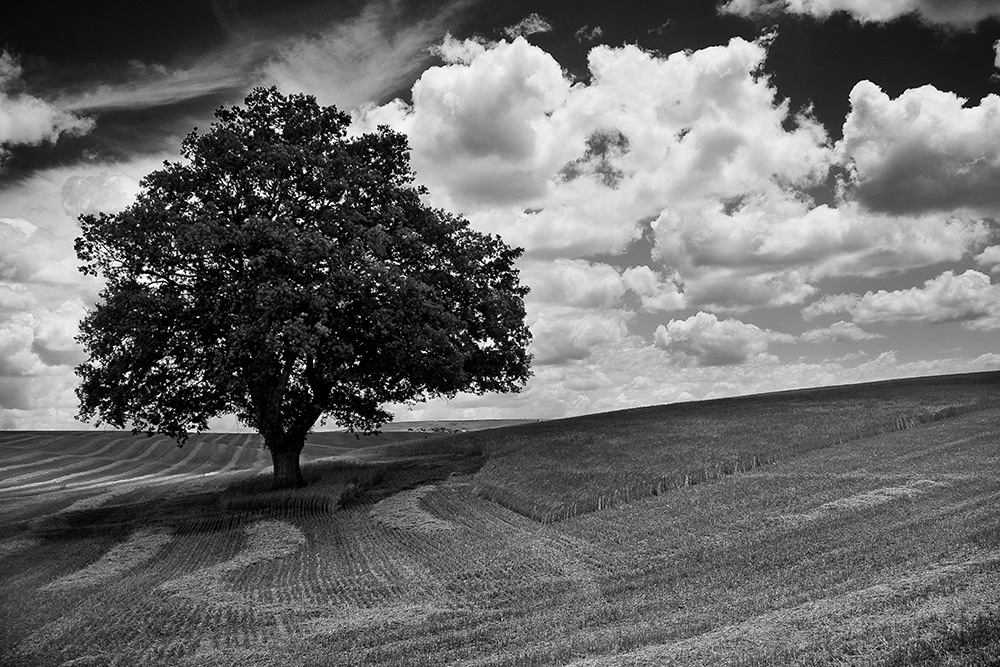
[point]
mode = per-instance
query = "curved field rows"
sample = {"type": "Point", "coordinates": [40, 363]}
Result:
{"type": "Point", "coordinates": [875, 551]}
{"type": "Point", "coordinates": [82, 460]}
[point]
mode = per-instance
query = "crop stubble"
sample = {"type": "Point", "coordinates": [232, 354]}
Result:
{"type": "Point", "coordinates": [869, 550]}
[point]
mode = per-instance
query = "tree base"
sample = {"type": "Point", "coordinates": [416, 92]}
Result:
{"type": "Point", "coordinates": [287, 474]}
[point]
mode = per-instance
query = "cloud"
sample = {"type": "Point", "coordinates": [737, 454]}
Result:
{"type": "Point", "coordinates": [105, 192]}
{"type": "Point", "coordinates": [151, 85]}
{"type": "Point", "coordinates": [360, 60]}
{"type": "Point", "coordinates": [31, 344]}
{"type": "Point", "coordinates": [588, 34]}
{"type": "Point", "coordinates": [566, 335]}
{"type": "Point", "coordinates": [500, 134]}
{"type": "Point", "coordinates": [343, 61]}
{"type": "Point", "coordinates": [477, 123]}
{"type": "Point", "coordinates": [704, 340]}
{"type": "Point", "coordinates": [925, 150]}
{"type": "Point", "coordinates": [661, 28]}
{"type": "Point", "coordinates": [768, 249]}
{"type": "Point", "coordinates": [28, 120]}
{"type": "Point", "coordinates": [969, 298]}
{"type": "Point", "coordinates": [578, 283]}
{"type": "Point", "coordinates": [989, 258]}
{"type": "Point", "coordinates": [530, 25]}
{"type": "Point", "coordinates": [42, 293]}
{"type": "Point", "coordinates": [839, 332]}
{"type": "Point", "coordinates": [953, 13]}
{"type": "Point", "coordinates": [697, 142]}
{"type": "Point", "coordinates": [656, 292]}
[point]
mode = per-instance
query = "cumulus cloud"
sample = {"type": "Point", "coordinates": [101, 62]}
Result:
{"type": "Point", "coordinates": [655, 291]}
{"type": "Point", "coordinates": [566, 335]}
{"type": "Point", "coordinates": [29, 120]}
{"type": "Point", "coordinates": [954, 13]}
{"type": "Point", "coordinates": [969, 298]}
{"type": "Point", "coordinates": [33, 344]}
{"type": "Point", "coordinates": [704, 340]}
{"type": "Point", "coordinates": [500, 134]}
{"type": "Point", "coordinates": [989, 258]}
{"type": "Point", "coordinates": [924, 150]}
{"type": "Point", "coordinates": [105, 192]}
{"type": "Point", "coordinates": [767, 250]}
{"type": "Point", "coordinates": [574, 282]}
{"type": "Point", "coordinates": [43, 296]}
{"type": "Point", "coordinates": [477, 123]}
{"type": "Point", "coordinates": [697, 142]}
{"type": "Point", "coordinates": [530, 25]}
{"type": "Point", "coordinates": [839, 332]}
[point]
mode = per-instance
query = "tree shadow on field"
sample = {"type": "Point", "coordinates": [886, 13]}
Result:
{"type": "Point", "coordinates": [332, 484]}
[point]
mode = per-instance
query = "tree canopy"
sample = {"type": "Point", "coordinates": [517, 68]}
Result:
{"type": "Point", "coordinates": [287, 272]}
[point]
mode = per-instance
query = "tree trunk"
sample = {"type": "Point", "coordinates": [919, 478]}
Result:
{"type": "Point", "coordinates": [287, 474]}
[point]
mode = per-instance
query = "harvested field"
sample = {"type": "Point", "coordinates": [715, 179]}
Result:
{"type": "Point", "coordinates": [878, 549]}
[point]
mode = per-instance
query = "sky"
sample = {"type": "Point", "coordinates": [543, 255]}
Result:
{"type": "Point", "coordinates": [714, 198]}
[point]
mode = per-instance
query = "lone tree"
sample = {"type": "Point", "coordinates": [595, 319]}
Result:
{"type": "Point", "coordinates": [285, 272]}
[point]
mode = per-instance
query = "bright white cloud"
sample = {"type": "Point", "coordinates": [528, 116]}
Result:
{"type": "Point", "coordinates": [477, 128]}
{"type": "Point", "coordinates": [499, 133]}
{"type": "Point", "coordinates": [29, 120]}
{"type": "Point", "coordinates": [839, 332]}
{"type": "Point", "coordinates": [698, 142]}
{"type": "Point", "coordinates": [968, 297]}
{"type": "Point", "coordinates": [704, 340]}
{"type": "Point", "coordinates": [924, 150]}
{"type": "Point", "coordinates": [956, 13]}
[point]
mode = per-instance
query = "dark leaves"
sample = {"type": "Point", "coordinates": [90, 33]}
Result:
{"type": "Point", "coordinates": [285, 272]}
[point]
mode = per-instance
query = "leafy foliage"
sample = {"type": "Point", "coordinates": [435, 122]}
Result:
{"type": "Point", "coordinates": [287, 272]}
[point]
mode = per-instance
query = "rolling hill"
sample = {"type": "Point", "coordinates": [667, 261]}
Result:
{"type": "Point", "coordinates": [848, 525]}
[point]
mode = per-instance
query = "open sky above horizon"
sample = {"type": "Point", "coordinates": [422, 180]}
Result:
{"type": "Point", "coordinates": [714, 199]}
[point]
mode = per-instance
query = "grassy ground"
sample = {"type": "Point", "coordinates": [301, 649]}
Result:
{"type": "Point", "coordinates": [558, 469]}
{"type": "Point", "coordinates": [850, 549]}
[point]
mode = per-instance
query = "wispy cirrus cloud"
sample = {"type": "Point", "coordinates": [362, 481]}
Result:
{"type": "Point", "coordinates": [361, 59]}
{"type": "Point", "coordinates": [531, 24]}
{"type": "Point", "coordinates": [346, 60]}
{"type": "Point", "coordinates": [150, 85]}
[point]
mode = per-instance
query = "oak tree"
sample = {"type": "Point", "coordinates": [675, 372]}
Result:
{"type": "Point", "coordinates": [287, 272]}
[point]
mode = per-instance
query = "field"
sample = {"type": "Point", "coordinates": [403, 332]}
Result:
{"type": "Point", "coordinates": [854, 525]}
